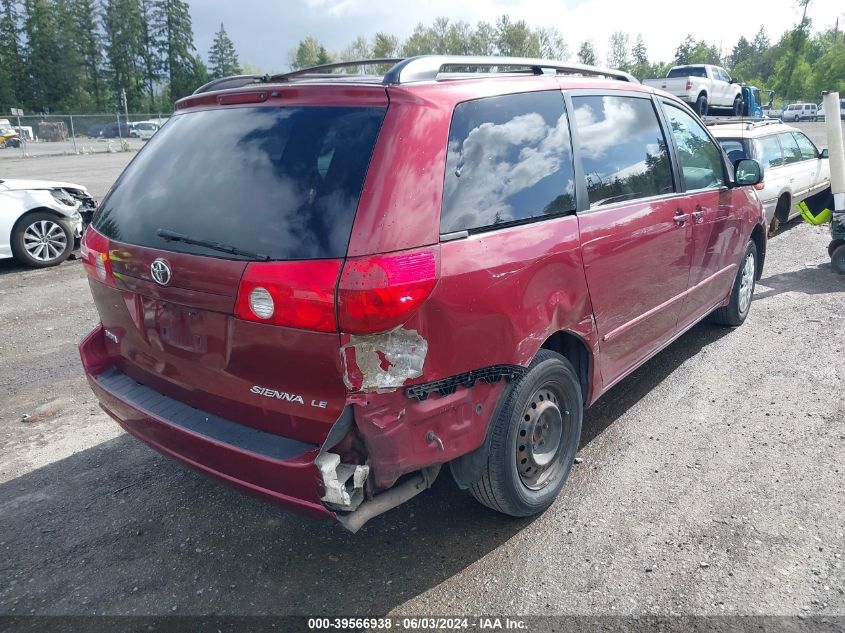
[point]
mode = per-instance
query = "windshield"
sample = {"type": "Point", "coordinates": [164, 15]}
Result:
{"type": "Point", "coordinates": [280, 181]}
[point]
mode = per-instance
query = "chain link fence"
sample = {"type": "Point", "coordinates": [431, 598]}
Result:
{"type": "Point", "coordinates": [69, 134]}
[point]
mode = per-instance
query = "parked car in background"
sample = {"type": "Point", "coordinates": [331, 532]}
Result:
{"type": "Point", "coordinates": [144, 129]}
{"type": "Point", "coordinates": [800, 112]}
{"type": "Point", "coordinates": [820, 112]}
{"type": "Point", "coordinates": [793, 167]}
{"type": "Point", "coordinates": [95, 131]}
{"type": "Point", "coordinates": [41, 221]}
{"type": "Point", "coordinates": [332, 353]}
{"type": "Point", "coordinates": [703, 86]}
{"type": "Point", "coordinates": [112, 131]}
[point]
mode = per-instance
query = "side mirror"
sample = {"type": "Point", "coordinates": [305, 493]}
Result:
{"type": "Point", "coordinates": [825, 153]}
{"type": "Point", "coordinates": [747, 172]}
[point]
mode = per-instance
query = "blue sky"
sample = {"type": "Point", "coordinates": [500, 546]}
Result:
{"type": "Point", "coordinates": [264, 31]}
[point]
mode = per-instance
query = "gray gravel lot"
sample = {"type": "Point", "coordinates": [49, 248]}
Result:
{"type": "Point", "coordinates": [712, 482]}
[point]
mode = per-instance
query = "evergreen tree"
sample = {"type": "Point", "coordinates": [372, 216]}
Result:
{"type": "Point", "coordinates": [172, 27]}
{"type": "Point", "coordinates": [43, 83]}
{"type": "Point", "coordinates": [86, 37]}
{"type": "Point", "coordinates": [587, 53]}
{"type": "Point", "coordinates": [151, 62]}
{"type": "Point", "coordinates": [122, 36]}
{"type": "Point", "coordinates": [641, 67]}
{"type": "Point", "coordinates": [11, 60]}
{"type": "Point", "coordinates": [222, 57]}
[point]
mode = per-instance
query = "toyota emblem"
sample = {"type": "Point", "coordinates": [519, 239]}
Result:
{"type": "Point", "coordinates": [160, 271]}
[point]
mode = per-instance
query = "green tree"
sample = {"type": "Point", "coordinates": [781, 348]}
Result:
{"type": "Point", "coordinates": [587, 53]}
{"type": "Point", "coordinates": [742, 52]}
{"type": "Point", "coordinates": [516, 39]}
{"type": "Point", "coordinates": [385, 45]}
{"type": "Point", "coordinates": [172, 27]}
{"type": "Point", "coordinates": [308, 53]}
{"type": "Point", "coordinates": [11, 60]}
{"type": "Point", "coordinates": [640, 68]}
{"type": "Point", "coordinates": [151, 47]}
{"type": "Point", "coordinates": [44, 81]}
{"type": "Point", "coordinates": [483, 39]}
{"type": "Point", "coordinates": [222, 56]}
{"type": "Point", "coordinates": [617, 51]}
{"type": "Point", "coordinates": [123, 45]}
{"type": "Point", "coordinates": [85, 35]}
{"type": "Point", "coordinates": [552, 44]}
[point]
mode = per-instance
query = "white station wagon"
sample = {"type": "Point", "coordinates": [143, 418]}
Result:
{"type": "Point", "coordinates": [793, 167]}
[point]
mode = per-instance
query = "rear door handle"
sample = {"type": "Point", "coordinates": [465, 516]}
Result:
{"type": "Point", "coordinates": [698, 217]}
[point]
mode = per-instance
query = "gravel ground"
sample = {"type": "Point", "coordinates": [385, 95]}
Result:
{"type": "Point", "coordinates": [711, 483]}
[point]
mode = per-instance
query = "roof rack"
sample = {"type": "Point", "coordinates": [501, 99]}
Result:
{"type": "Point", "coordinates": [749, 122]}
{"type": "Point", "coordinates": [423, 68]}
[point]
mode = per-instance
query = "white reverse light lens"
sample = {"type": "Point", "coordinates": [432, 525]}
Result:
{"type": "Point", "coordinates": [261, 303]}
{"type": "Point", "coordinates": [100, 265]}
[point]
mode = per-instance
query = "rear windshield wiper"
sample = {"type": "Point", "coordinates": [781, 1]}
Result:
{"type": "Point", "coordinates": [172, 236]}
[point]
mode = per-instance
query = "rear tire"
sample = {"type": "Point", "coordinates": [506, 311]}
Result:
{"type": "Point", "coordinates": [782, 209]}
{"type": "Point", "coordinates": [739, 305]}
{"type": "Point", "coordinates": [701, 105]}
{"type": "Point", "coordinates": [837, 259]}
{"type": "Point", "coordinates": [737, 107]}
{"type": "Point", "coordinates": [534, 438]}
{"type": "Point", "coordinates": [40, 240]}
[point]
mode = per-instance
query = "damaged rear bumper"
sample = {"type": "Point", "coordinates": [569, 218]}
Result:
{"type": "Point", "coordinates": [275, 468]}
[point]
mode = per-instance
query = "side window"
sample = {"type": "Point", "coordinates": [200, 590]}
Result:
{"type": "Point", "coordinates": [509, 159]}
{"type": "Point", "coordinates": [768, 151]}
{"type": "Point", "coordinates": [623, 150]}
{"type": "Point", "coordinates": [791, 151]}
{"type": "Point", "coordinates": [808, 150]}
{"type": "Point", "coordinates": [699, 158]}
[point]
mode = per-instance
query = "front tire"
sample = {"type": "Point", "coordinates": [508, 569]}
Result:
{"type": "Point", "coordinates": [737, 107]}
{"type": "Point", "coordinates": [735, 313]}
{"type": "Point", "coordinates": [40, 240]}
{"type": "Point", "coordinates": [534, 438]}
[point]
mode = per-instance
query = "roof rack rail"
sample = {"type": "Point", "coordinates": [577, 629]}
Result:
{"type": "Point", "coordinates": [235, 81]}
{"type": "Point", "coordinates": [323, 70]}
{"type": "Point", "coordinates": [428, 67]}
{"type": "Point", "coordinates": [749, 122]}
{"type": "Point", "coordinates": [421, 68]}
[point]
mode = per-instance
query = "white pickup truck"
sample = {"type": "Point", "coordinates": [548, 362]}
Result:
{"type": "Point", "coordinates": [702, 86]}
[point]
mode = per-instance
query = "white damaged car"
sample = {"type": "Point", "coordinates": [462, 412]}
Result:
{"type": "Point", "coordinates": [41, 221]}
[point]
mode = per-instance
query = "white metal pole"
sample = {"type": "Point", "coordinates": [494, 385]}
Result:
{"type": "Point", "coordinates": [834, 143]}
{"type": "Point", "coordinates": [73, 135]}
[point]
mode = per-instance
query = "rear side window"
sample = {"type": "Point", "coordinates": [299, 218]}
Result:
{"type": "Point", "coordinates": [791, 151]}
{"type": "Point", "coordinates": [687, 71]}
{"type": "Point", "coordinates": [623, 150]}
{"type": "Point", "coordinates": [808, 150]}
{"type": "Point", "coordinates": [509, 160]}
{"type": "Point", "coordinates": [700, 159]}
{"type": "Point", "coordinates": [768, 151]}
{"type": "Point", "coordinates": [283, 182]}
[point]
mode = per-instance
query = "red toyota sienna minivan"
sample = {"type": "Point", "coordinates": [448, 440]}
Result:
{"type": "Point", "coordinates": [321, 288]}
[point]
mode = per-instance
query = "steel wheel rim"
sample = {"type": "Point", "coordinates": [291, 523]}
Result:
{"type": "Point", "coordinates": [542, 438]}
{"type": "Point", "coordinates": [746, 284]}
{"type": "Point", "coordinates": [44, 240]}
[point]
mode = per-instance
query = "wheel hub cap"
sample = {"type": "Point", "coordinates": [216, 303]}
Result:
{"type": "Point", "coordinates": [540, 439]}
{"type": "Point", "coordinates": [44, 240]}
{"type": "Point", "coordinates": [746, 284]}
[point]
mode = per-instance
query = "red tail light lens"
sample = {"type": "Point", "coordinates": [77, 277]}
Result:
{"type": "Point", "coordinates": [95, 256]}
{"type": "Point", "coordinates": [377, 293]}
{"type": "Point", "coordinates": [293, 294]}
{"type": "Point", "coordinates": [689, 84]}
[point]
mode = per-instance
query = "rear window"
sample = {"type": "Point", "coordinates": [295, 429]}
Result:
{"type": "Point", "coordinates": [734, 148]}
{"type": "Point", "coordinates": [687, 71]}
{"type": "Point", "coordinates": [282, 182]}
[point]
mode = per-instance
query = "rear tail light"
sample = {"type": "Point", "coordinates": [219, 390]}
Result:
{"type": "Point", "coordinates": [377, 293]}
{"type": "Point", "coordinates": [689, 84]}
{"type": "Point", "coordinates": [95, 257]}
{"type": "Point", "coordinates": [293, 294]}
